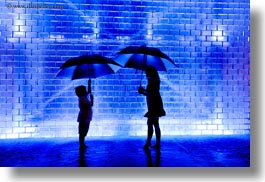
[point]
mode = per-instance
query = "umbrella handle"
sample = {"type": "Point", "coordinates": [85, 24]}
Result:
{"type": "Point", "coordinates": [141, 78]}
{"type": "Point", "coordinates": [89, 86]}
{"type": "Point", "coordinates": [144, 64]}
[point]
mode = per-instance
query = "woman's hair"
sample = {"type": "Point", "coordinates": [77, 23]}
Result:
{"type": "Point", "coordinates": [80, 91]}
{"type": "Point", "coordinates": [152, 72]}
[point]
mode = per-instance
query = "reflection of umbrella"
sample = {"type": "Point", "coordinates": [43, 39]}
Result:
{"type": "Point", "coordinates": [139, 57]}
{"type": "Point", "coordinates": [87, 66]}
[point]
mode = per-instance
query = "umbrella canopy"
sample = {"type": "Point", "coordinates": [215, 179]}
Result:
{"type": "Point", "coordinates": [87, 66]}
{"type": "Point", "coordinates": [139, 57]}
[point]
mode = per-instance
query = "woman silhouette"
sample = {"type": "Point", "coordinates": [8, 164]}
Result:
{"type": "Point", "coordinates": [154, 104]}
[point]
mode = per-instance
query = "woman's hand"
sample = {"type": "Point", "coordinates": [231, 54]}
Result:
{"type": "Point", "coordinates": [141, 90]}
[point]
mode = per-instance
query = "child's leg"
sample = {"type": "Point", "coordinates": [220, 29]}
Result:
{"type": "Point", "coordinates": [81, 140]}
{"type": "Point", "coordinates": [82, 134]}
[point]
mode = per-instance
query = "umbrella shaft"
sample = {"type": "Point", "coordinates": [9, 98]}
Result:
{"type": "Point", "coordinates": [89, 86]}
{"type": "Point", "coordinates": [144, 65]}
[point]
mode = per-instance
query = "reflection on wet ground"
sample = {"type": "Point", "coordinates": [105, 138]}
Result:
{"type": "Point", "coordinates": [175, 151]}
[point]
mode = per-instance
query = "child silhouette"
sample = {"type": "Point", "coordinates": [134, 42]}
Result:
{"type": "Point", "coordinates": [85, 103]}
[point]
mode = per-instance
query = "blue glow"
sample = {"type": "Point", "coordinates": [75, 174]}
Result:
{"type": "Point", "coordinates": [207, 93]}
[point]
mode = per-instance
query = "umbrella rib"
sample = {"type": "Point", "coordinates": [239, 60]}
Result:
{"type": "Point", "coordinates": [164, 67]}
{"type": "Point", "coordinates": [72, 78]}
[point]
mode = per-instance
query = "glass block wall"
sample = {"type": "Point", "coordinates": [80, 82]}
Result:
{"type": "Point", "coordinates": [207, 93]}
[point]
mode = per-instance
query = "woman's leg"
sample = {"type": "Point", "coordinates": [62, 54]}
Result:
{"type": "Point", "coordinates": [158, 132]}
{"type": "Point", "coordinates": [150, 132]}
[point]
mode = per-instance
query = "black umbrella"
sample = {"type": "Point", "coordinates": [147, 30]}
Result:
{"type": "Point", "coordinates": [87, 66]}
{"type": "Point", "coordinates": [139, 57]}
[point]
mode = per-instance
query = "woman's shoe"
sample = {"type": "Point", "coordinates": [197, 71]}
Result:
{"type": "Point", "coordinates": [157, 146]}
{"type": "Point", "coordinates": [146, 146]}
{"type": "Point", "coordinates": [83, 146]}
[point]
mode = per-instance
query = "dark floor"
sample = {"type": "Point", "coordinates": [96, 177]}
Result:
{"type": "Point", "coordinates": [176, 151]}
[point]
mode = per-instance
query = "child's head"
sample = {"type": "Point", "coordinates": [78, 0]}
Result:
{"type": "Point", "coordinates": [80, 91]}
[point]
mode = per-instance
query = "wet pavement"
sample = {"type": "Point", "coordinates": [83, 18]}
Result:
{"type": "Point", "coordinates": [175, 151]}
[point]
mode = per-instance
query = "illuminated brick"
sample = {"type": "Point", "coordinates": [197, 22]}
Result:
{"type": "Point", "coordinates": [208, 93]}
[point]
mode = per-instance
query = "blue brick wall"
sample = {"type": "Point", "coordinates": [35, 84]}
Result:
{"type": "Point", "coordinates": [208, 93]}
